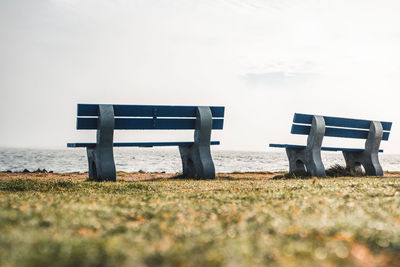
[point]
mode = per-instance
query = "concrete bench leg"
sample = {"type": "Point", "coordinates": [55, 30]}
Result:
{"type": "Point", "coordinates": [101, 165]}
{"type": "Point", "coordinates": [368, 158]}
{"type": "Point", "coordinates": [188, 168]}
{"type": "Point", "coordinates": [370, 162]}
{"type": "Point", "coordinates": [305, 160]}
{"type": "Point", "coordinates": [353, 161]}
{"type": "Point", "coordinates": [297, 160]}
{"type": "Point", "coordinates": [196, 159]}
{"type": "Point", "coordinates": [309, 158]}
{"type": "Point", "coordinates": [92, 163]}
{"type": "Point", "coordinates": [372, 166]}
{"type": "Point", "coordinates": [197, 162]}
{"type": "Point", "coordinates": [314, 163]}
{"type": "Point", "coordinates": [101, 158]}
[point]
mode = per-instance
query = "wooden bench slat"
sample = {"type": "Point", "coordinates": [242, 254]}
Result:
{"type": "Point", "coordinates": [322, 148]}
{"type": "Point", "coordinates": [147, 124]}
{"type": "Point", "coordinates": [142, 144]}
{"type": "Point", "coordinates": [336, 132]}
{"type": "Point", "coordinates": [148, 111]}
{"type": "Point", "coordinates": [340, 122]}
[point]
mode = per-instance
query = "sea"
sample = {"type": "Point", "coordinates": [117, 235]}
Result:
{"type": "Point", "coordinates": [161, 160]}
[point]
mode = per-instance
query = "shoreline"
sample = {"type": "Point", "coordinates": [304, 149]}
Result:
{"type": "Point", "coordinates": [151, 176]}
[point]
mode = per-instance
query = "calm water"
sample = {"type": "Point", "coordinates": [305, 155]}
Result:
{"type": "Point", "coordinates": [159, 160]}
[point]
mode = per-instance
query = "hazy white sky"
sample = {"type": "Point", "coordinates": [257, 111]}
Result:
{"type": "Point", "coordinates": [261, 59]}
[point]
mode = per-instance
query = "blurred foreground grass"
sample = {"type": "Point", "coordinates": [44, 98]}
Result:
{"type": "Point", "coordinates": [236, 220]}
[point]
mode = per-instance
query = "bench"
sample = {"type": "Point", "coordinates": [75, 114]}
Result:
{"type": "Point", "coordinates": [308, 158]}
{"type": "Point", "coordinates": [196, 157]}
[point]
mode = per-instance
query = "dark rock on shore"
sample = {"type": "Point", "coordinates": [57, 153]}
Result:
{"type": "Point", "coordinates": [37, 171]}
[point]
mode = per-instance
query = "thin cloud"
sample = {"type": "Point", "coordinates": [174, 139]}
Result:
{"type": "Point", "coordinates": [278, 78]}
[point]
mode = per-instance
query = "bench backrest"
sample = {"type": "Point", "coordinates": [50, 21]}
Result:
{"type": "Point", "coordinates": [146, 117]}
{"type": "Point", "coordinates": [338, 127]}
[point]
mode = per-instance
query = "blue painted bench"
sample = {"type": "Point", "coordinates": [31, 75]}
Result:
{"type": "Point", "coordinates": [308, 158]}
{"type": "Point", "coordinates": [196, 157]}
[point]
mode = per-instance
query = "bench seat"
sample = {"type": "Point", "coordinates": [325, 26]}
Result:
{"type": "Point", "coordinates": [322, 148]}
{"type": "Point", "coordinates": [147, 144]}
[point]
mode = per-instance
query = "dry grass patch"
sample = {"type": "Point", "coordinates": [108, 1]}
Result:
{"type": "Point", "coordinates": [239, 219]}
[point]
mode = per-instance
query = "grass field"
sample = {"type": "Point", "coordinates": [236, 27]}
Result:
{"type": "Point", "coordinates": [236, 220]}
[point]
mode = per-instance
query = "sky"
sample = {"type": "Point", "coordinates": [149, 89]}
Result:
{"type": "Point", "coordinates": [263, 60]}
